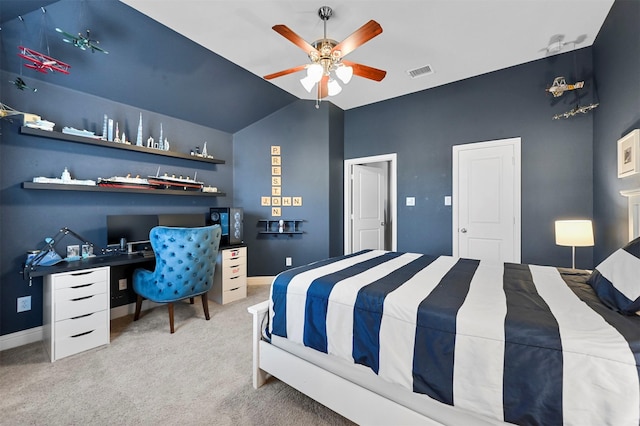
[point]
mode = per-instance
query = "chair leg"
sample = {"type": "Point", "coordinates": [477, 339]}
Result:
{"type": "Point", "coordinates": [170, 306]}
{"type": "Point", "coordinates": [191, 300]}
{"type": "Point", "coordinates": [139, 300]}
{"type": "Point", "coordinates": [205, 306]}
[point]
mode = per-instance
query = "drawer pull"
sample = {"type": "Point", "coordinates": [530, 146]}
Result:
{"type": "Point", "coordinates": [233, 278]}
{"type": "Point", "coordinates": [82, 285]}
{"type": "Point", "coordinates": [82, 334]}
{"type": "Point", "coordinates": [234, 289]}
{"type": "Point", "coordinates": [82, 316]}
{"type": "Point", "coordinates": [76, 274]}
{"type": "Point", "coordinates": [82, 298]}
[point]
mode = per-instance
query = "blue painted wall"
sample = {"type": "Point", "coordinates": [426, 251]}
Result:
{"type": "Point", "coordinates": [423, 127]}
{"type": "Point", "coordinates": [176, 85]}
{"type": "Point", "coordinates": [617, 71]}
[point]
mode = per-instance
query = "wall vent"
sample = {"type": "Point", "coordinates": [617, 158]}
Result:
{"type": "Point", "coordinates": [419, 72]}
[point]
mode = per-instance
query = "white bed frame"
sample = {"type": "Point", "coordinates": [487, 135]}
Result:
{"type": "Point", "coordinates": [351, 400]}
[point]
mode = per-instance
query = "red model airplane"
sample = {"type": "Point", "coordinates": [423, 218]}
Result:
{"type": "Point", "coordinates": [42, 63]}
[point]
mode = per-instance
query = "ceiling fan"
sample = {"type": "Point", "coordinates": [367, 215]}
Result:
{"type": "Point", "coordinates": [327, 55]}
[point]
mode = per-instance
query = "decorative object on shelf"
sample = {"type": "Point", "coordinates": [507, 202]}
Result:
{"type": "Point", "coordinates": [83, 133]}
{"type": "Point", "coordinates": [281, 226]}
{"type": "Point", "coordinates": [125, 182]}
{"type": "Point", "coordinates": [150, 142]}
{"type": "Point", "coordinates": [629, 154]}
{"type": "Point", "coordinates": [117, 136]}
{"type": "Point", "coordinates": [166, 144]}
{"type": "Point", "coordinates": [110, 131]}
{"type": "Point", "coordinates": [35, 122]}
{"type": "Point", "coordinates": [161, 141]}
{"type": "Point", "coordinates": [104, 128]}
{"type": "Point", "coordinates": [204, 149]}
{"type": "Point", "coordinates": [64, 179]}
{"type": "Point", "coordinates": [574, 233]}
{"type": "Point", "coordinates": [81, 41]}
{"type": "Point", "coordinates": [327, 55]}
{"type": "Point", "coordinates": [139, 136]}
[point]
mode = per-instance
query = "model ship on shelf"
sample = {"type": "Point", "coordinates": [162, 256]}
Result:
{"type": "Point", "coordinates": [83, 133]}
{"type": "Point", "coordinates": [173, 182]}
{"type": "Point", "coordinates": [125, 182]}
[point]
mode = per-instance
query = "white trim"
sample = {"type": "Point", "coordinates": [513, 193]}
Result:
{"type": "Point", "coordinates": [19, 338]}
{"type": "Point", "coordinates": [392, 159]}
{"type": "Point", "coordinates": [633, 211]}
{"type": "Point", "coordinates": [517, 196]}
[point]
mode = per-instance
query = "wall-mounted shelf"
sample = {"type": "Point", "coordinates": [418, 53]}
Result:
{"type": "Point", "coordinates": [97, 142]}
{"type": "Point", "coordinates": [271, 226]}
{"type": "Point", "coordinates": [88, 188]}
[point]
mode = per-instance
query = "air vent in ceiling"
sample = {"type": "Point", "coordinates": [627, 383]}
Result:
{"type": "Point", "coordinates": [419, 72]}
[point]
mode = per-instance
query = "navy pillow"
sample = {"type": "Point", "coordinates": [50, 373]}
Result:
{"type": "Point", "coordinates": [616, 280]}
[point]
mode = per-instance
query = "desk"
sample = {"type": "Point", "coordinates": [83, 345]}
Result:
{"type": "Point", "coordinates": [121, 268]}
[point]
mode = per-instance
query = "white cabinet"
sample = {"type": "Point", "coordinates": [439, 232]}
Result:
{"type": "Point", "coordinates": [230, 276]}
{"type": "Point", "coordinates": [76, 311]}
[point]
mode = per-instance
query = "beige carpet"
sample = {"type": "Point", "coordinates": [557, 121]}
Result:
{"type": "Point", "coordinates": [201, 375]}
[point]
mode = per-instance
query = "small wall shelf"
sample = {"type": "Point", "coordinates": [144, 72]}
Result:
{"type": "Point", "coordinates": [97, 142]}
{"type": "Point", "coordinates": [88, 188]}
{"type": "Point", "coordinates": [270, 226]}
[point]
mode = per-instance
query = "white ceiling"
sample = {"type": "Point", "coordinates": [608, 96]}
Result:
{"type": "Point", "coordinates": [457, 38]}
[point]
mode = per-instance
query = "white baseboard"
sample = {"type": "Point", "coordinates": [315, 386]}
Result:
{"type": "Point", "coordinates": [19, 338]}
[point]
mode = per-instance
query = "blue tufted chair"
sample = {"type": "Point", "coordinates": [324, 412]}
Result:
{"type": "Point", "coordinates": [185, 261]}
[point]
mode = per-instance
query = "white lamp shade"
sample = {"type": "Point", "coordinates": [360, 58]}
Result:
{"type": "Point", "coordinates": [314, 72]}
{"type": "Point", "coordinates": [307, 83]}
{"type": "Point", "coordinates": [344, 73]}
{"type": "Point", "coordinates": [333, 87]}
{"type": "Point", "coordinates": [574, 233]}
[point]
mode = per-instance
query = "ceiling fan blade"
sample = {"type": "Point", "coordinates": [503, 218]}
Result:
{"type": "Point", "coordinates": [358, 38]}
{"type": "Point", "coordinates": [366, 71]}
{"type": "Point", "coordinates": [323, 87]}
{"type": "Point", "coordinates": [294, 38]}
{"type": "Point", "coordinates": [284, 72]}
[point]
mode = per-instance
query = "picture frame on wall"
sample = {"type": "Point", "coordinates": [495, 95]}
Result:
{"type": "Point", "coordinates": [629, 154]}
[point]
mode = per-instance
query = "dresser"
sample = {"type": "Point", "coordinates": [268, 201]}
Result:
{"type": "Point", "coordinates": [76, 311]}
{"type": "Point", "coordinates": [230, 276]}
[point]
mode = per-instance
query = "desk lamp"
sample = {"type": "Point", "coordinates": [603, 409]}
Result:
{"type": "Point", "coordinates": [574, 233]}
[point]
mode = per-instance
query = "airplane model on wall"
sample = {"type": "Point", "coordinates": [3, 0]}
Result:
{"type": "Point", "coordinates": [81, 41]}
{"type": "Point", "coordinates": [41, 62]}
{"type": "Point", "coordinates": [559, 86]}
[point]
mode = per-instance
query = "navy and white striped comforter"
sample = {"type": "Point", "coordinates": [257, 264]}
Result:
{"type": "Point", "coordinates": [520, 343]}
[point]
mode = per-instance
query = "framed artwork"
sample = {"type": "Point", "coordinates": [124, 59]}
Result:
{"type": "Point", "coordinates": [628, 154]}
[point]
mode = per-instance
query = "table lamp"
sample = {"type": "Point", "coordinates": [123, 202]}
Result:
{"type": "Point", "coordinates": [574, 233]}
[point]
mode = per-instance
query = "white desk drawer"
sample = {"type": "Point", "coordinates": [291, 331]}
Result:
{"type": "Point", "coordinates": [234, 294]}
{"type": "Point", "coordinates": [228, 254]}
{"type": "Point", "coordinates": [80, 291]}
{"type": "Point", "coordinates": [234, 282]}
{"type": "Point", "coordinates": [76, 307]}
{"type": "Point", "coordinates": [233, 270]}
{"type": "Point", "coordinates": [88, 276]}
{"type": "Point", "coordinates": [80, 334]}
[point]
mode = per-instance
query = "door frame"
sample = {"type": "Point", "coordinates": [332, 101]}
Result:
{"type": "Point", "coordinates": [517, 196]}
{"type": "Point", "coordinates": [392, 160]}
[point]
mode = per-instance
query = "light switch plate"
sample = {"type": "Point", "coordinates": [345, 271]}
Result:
{"type": "Point", "coordinates": [411, 201]}
{"type": "Point", "coordinates": [447, 200]}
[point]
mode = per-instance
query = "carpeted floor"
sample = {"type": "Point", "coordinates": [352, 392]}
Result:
{"type": "Point", "coordinates": [201, 375]}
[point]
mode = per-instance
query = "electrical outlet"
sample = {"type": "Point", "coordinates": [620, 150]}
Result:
{"type": "Point", "coordinates": [122, 284]}
{"type": "Point", "coordinates": [24, 303]}
{"type": "Point", "coordinates": [287, 261]}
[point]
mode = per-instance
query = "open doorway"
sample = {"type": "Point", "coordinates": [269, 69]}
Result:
{"type": "Point", "coordinates": [370, 191]}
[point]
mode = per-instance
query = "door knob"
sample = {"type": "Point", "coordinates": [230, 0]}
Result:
{"type": "Point", "coordinates": [463, 230]}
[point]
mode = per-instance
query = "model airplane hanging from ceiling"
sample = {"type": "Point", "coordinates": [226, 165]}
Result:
{"type": "Point", "coordinates": [559, 86]}
{"type": "Point", "coordinates": [81, 41]}
{"type": "Point", "coordinates": [576, 110]}
{"type": "Point", "coordinates": [20, 84]}
{"type": "Point", "coordinates": [41, 62]}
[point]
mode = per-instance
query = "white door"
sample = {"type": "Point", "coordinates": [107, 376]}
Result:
{"type": "Point", "coordinates": [486, 195]}
{"type": "Point", "coordinates": [368, 209]}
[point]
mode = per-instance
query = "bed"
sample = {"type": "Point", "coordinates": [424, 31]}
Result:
{"type": "Point", "coordinates": [406, 338]}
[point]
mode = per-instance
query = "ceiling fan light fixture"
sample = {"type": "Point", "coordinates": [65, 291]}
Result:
{"type": "Point", "coordinates": [344, 73]}
{"type": "Point", "coordinates": [307, 83]}
{"type": "Point", "coordinates": [314, 72]}
{"type": "Point", "coordinates": [333, 87]}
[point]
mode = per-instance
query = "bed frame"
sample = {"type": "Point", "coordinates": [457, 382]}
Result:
{"type": "Point", "coordinates": [351, 400]}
